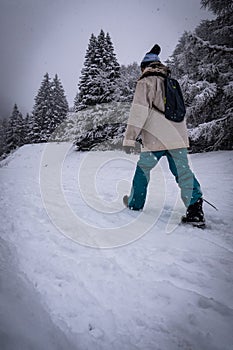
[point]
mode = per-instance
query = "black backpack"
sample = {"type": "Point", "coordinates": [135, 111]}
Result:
{"type": "Point", "coordinates": [174, 102]}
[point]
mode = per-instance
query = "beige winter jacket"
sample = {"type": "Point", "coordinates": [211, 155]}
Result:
{"type": "Point", "coordinates": [157, 132]}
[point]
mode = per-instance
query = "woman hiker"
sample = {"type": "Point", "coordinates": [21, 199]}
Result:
{"type": "Point", "coordinates": [160, 137]}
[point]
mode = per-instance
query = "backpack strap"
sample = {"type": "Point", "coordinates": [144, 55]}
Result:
{"type": "Point", "coordinates": [157, 109]}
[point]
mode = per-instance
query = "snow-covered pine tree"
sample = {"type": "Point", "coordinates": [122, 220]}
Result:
{"type": "Point", "coordinates": [108, 69]}
{"type": "Point", "coordinates": [28, 125]}
{"type": "Point", "coordinates": [87, 93]}
{"type": "Point", "coordinates": [126, 83]}
{"type": "Point", "coordinates": [201, 62]}
{"type": "Point", "coordinates": [112, 70]}
{"type": "Point", "coordinates": [3, 139]}
{"type": "Point", "coordinates": [42, 112]}
{"type": "Point", "coordinates": [98, 77]}
{"type": "Point", "coordinates": [60, 104]}
{"type": "Point", "coordinates": [77, 104]}
{"type": "Point", "coordinates": [15, 130]}
{"type": "Point", "coordinates": [218, 7]}
{"type": "Point", "coordinates": [49, 110]}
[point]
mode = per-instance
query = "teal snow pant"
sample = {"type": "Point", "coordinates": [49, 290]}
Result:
{"type": "Point", "coordinates": [178, 164]}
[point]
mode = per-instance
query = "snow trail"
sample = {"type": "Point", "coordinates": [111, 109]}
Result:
{"type": "Point", "coordinates": [162, 290]}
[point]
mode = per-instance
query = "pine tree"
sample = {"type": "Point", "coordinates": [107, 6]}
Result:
{"type": "Point", "coordinates": [42, 111]}
{"type": "Point", "coordinates": [3, 139]}
{"type": "Point", "coordinates": [28, 125]}
{"type": "Point", "coordinates": [218, 7]}
{"type": "Point", "coordinates": [15, 130]}
{"type": "Point", "coordinates": [110, 68]}
{"type": "Point", "coordinates": [60, 104]}
{"type": "Point", "coordinates": [202, 61]}
{"type": "Point", "coordinates": [98, 77]}
{"type": "Point", "coordinates": [126, 83]}
{"type": "Point", "coordinates": [49, 111]}
{"type": "Point", "coordinates": [77, 103]}
{"type": "Point", "coordinates": [87, 93]}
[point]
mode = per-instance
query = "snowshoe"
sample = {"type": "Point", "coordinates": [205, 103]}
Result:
{"type": "Point", "coordinates": [199, 224]}
{"type": "Point", "coordinates": [194, 215]}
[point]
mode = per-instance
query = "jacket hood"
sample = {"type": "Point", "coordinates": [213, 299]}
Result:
{"type": "Point", "coordinates": [156, 68]}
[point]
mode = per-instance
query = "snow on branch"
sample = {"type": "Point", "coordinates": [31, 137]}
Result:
{"type": "Point", "coordinates": [207, 44]}
{"type": "Point", "coordinates": [208, 130]}
{"type": "Point", "coordinates": [228, 89]}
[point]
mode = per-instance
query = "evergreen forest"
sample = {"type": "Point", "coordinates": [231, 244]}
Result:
{"type": "Point", "coordinates": [202, 62]}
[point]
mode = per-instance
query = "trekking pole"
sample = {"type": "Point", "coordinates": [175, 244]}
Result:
{"type": "Point", "coordinates": [210, 204]}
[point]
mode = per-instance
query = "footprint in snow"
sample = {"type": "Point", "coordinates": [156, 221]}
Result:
{"type": "Point", "coordinates": [95, 332]}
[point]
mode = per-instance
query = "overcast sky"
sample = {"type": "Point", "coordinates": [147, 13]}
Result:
{"type": "Point", "coordinates": [39, 36]}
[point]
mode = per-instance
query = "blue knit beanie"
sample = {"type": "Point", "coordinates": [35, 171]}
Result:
{"type": "Point", "coordinates": [151, 56]}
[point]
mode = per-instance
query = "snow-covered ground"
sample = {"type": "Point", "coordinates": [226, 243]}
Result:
{"type": "Point", "coordinates": [79, 271]}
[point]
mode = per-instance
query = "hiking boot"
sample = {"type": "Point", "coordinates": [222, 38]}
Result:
{"type": "Point", "coordinates": [126, 203]}
{"type": "Point", "coordinates": [126, 200]}
{"type": "Point", "coordinates": [194, 214]}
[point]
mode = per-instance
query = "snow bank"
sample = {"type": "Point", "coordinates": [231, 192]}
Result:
{"type": "Point", "coordinates": [24, 322]}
